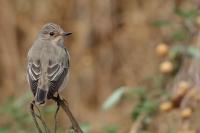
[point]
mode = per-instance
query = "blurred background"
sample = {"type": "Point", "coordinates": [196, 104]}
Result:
{"type": "Point", "coordinates": [134, 64]}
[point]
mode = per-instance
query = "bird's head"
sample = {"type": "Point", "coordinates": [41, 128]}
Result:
{"type": "Point", "coordinates": [53, 32]}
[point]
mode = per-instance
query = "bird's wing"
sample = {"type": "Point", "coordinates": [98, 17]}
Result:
{"type": "Point", "coordinates": [33, 74]}
{"type": "Point", "coordinates": [56, 74]}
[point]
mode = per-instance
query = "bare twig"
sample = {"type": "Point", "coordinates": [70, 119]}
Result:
{"type": "Point", "coordinates": [34, 118]}
{"type": "Point", "coordinates": [55, 117]}
{"type": "Point", "coordinates": [63, 103]}
{"type": "Point", "coordinates": [41, 119]}
{"type": "Point", "coordinates": [60, 102]}
{"type": "Point", "coordinates": [34, 115]}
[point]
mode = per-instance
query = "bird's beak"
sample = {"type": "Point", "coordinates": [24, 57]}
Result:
{"type": "Point", "coordinates": [66, 33]}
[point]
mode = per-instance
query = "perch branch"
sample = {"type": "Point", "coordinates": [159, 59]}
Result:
{"type": "Point", "coordinates": [34, 118]}
{"type": "Point", "coordinates": [55, 117]}
{"type": "Point", "coordinates": [63, 103]}
{"type": "Point", "coordinates": [34, 115]}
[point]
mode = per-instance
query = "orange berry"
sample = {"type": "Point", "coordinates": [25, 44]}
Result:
{"type": "Point", "coordinates": [166, 67]}
{"type": "Point", "coordinates": [166, 106]}
{"type": "Point", "coordinates": [184, 85]}
{"type": "Point", "coordinates": [162, 49]}
{"type": "Point", "coordinates": [183, 88]}
{"type": "Point", "coordinates": [186, 113]}
{"type": "Point", "coordinates": [198, 20]}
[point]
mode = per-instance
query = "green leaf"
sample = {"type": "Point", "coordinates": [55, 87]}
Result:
{"type": "Point", "coordinates": [150, 107]}
{"type": "Point", "coordinates": [187, 14]}
{"type": "Point", "coordinates": [138, 109]}
{"type": "Point", "coordinates": [160, 23]}
{"type": "Point", "coordinates": [179, 35]}
{"type": "Point", "coordinates": [147, 107]}
{"type": "Point", "coordinates": [114, 98]}
{"type": "Point", "coordinates": [181, 49]}
{"type": "Point", "coordinates": [193, 52]}
{"type": "Point", "coordinates": [176, 51]}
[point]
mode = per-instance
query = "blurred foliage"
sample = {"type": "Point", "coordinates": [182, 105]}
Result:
{"type": "Point", "coordinates": [145, 105]}
{"type": "Point", "coordinates": [19, 113]}
{"type": "Point", "coordinates": [112, 128]}
{"type": "Point", "coordinates": [161, 23]}
{"type": "Point", "coordinates": [180, 50]}
{"type": "Point", "coordinates": [187, 14]}
{"type": "Point", "coordinates": [85, 127]}
{"type": "Point", "coordinates": [16, 109]}
{"type": "Point", "coordinates": [148, 101]}
{"type": "Point", "coordinates": [179, 35]}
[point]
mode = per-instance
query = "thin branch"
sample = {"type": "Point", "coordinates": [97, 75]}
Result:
{"type": "Point", "coordinates": [34, 118]}
{"type": "Point", "coordinates": [137, 124]}
{"type": "Point", "coordinates": [63, 103]}
{"type": "Point", "coordinates": [55, 117]}
{"type": "Point", "coordinates": [43, 122]}
{"type": "Point", "coordinates": [60, 102]}
{"type": "Point", "coordinates": [34, 115]}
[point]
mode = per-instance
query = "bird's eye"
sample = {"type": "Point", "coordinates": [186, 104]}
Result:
{"type": "Point", "coordinates": [51, 33]}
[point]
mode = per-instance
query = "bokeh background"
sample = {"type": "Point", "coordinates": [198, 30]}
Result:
{"type": "Point", "coordinates": [115, 85]}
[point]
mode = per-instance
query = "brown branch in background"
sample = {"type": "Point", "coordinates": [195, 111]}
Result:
{"type": "Point", "coordinates": [178, 3]}
{"type": "Point", "coordinates": [137, 124]}
{"type": "Point", "coordinates": [63, 103]}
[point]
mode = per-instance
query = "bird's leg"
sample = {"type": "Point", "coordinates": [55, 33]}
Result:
{"type": "Point", "coordinates": [34, 116]}
{"type": "Point", "coordinates": [55, 116]}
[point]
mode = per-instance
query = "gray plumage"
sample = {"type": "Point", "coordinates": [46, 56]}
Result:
{"type": "Point", "coordinates": [48, 63]}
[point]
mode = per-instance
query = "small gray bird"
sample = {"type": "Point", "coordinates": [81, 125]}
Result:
{"type": "Point", "coordinates": [48, 63]}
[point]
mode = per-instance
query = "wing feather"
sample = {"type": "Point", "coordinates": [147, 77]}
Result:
{"type": "Point", "coordinates": [33, 74]}
{"type": "Point", "coordinates": [56, 74]}
{"type": "Point", "coordinates": [55, 84]}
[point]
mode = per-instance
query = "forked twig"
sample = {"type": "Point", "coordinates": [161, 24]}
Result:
{"type": "Point", "coordinates": [63, 103]}
{"type": "Point", "coordinates": [34, 115]}
{"type": "Point", "coordinates": [34, 118]}
{"type": "Point", "coordinates": [41, 119]}
{"type": "Point", "coordinates": [60, 102]}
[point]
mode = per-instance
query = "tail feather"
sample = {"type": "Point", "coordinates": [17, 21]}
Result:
{"type": "Point", "coordinates": [41, 96]}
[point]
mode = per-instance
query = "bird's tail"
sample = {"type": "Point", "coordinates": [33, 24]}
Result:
{"type": "Point", "coordinates": [41, 96]}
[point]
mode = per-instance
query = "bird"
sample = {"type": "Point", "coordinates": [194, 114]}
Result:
{"type": "Point", "coordinates": [48, 63]}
